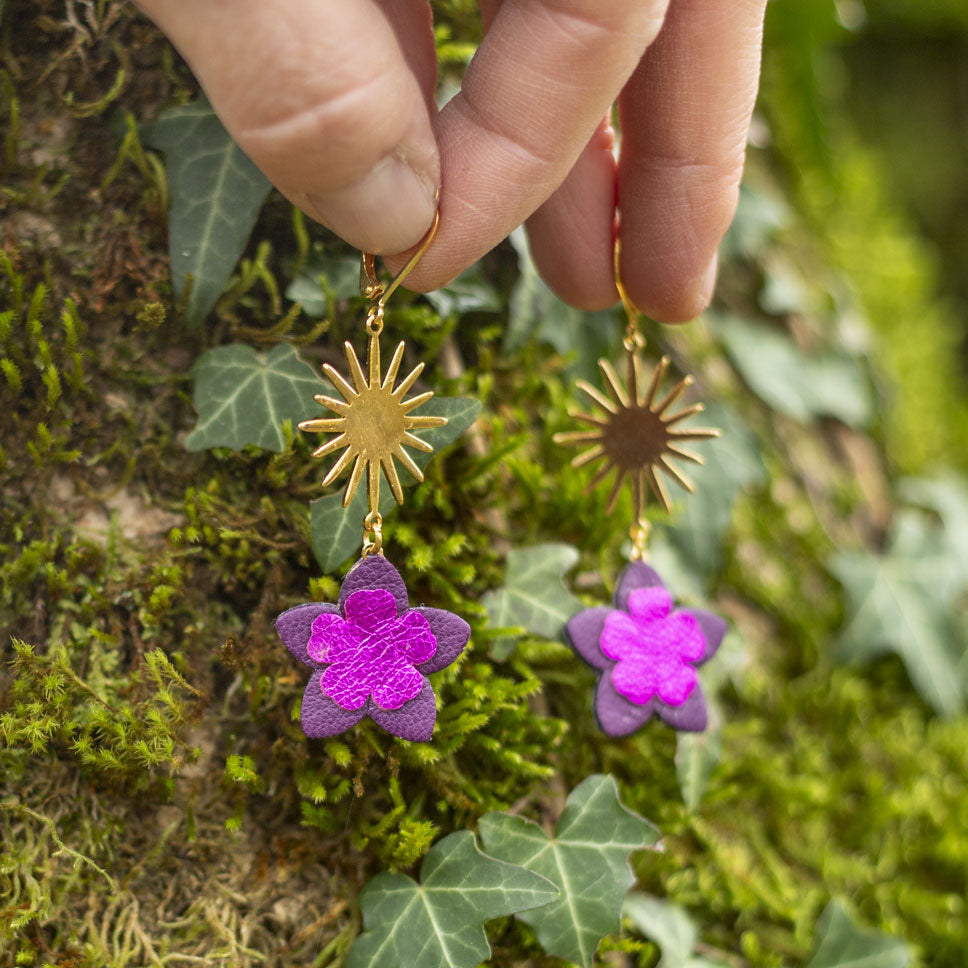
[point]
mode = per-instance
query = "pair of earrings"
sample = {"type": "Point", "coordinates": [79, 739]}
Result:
{"type": "Point", "coordinates": [372, 651]}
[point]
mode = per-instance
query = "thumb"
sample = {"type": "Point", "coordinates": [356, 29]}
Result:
{"type": "Point", "coordinates": [320, 96]}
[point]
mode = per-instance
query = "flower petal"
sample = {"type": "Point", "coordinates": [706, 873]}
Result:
{"type": "Point", "coordinates": [690, 717]}
{"type": "Point", "coordinates": [674, 682]}
{"type": "Point", "coordinates": [320, 716]}
{"type": "Point", "coordinates": [398, 681]}
{"type": "Point", "coordinates": [651, 603]}
{"type": "Point", "coordinates": [349, 683]}
{"type": "Point", "coordinates": [451, 632]}
{"type": "Point", "coordinates": [369, 608]}
{"type": "Point", "coordinates": [685, 636]}
{"type": "Point", "coordinates": [615, 714]}
{"type": "Point", "coordinates": [621, 636]}
{"type": "Point", "coordinates": [713, 629]}
{"type": "Point", "coordinates": [584, 634]}
{"type": "Point", "coordinates": [635, 678]}
{"type": "Point", "coordinates": [636, 575]}
{"type": "Point", "coordinates": [413, 637]}
{"type": "Point", "coordinates": [330, 638]}
{"type": "Point", "coordinates": [295, 627]}
{"type": "Point", "coordinates": [375, 572]}
{"type": "Point", "coordinates": [414, 720]}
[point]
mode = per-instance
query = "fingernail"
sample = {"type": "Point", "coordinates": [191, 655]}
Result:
{"type": "Point", "coordinates": [388, 210]}
{"type": "Point", "coordinates": [708, 285]}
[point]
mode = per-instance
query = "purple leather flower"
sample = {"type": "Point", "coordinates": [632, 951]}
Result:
{"type": "Point", "coordinates": [646, 654]}
{"type": "Point", "coordinates": [372, 654]}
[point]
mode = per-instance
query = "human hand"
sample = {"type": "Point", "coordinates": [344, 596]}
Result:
{"type": "Point", "coordinates": [333, 100]}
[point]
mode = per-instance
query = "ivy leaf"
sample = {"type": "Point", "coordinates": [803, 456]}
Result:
{"type": "Point", "coordinates": [438, 923]}
{"type": "Point", "coordinates": [536, 313]}
{"type": "Point", "coordinates": [678, 574]}
{"type": "Point", "coordinates": [671, 928]}
{"type": "Point", "coordinates": [947, 496]}
{"type": "Point", "coordinates": [840, 944]}
{"type": "Point", "coordinates": [216, 194]}
{"type": "Point", "coordinates": [324, 276]}
{"type": "Point", "coordinates": [470, 292]}
{"type": "Point", "coordinates": [534, 596]}
{"type": "Point", "coordinates": [336, 530]}
{"type": "Point", "coordinates": [758, 218]}
{"type": "Point", "coordinates": [697, 755]}
{"type": "Point", "coordinates": [902, 601]}
{"type": "Point", "coordinates": [587, 860]}
{"type": "Point", "coordinates": [732, 463]}
{"type": "Point", "coordinates": [793, 383]}
{"type": "Point", "coordinates": [668, 925]}
{"type": "Point", "coordinates": [243, 397]}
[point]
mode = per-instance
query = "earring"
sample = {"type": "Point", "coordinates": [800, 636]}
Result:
{"type": "Point", "coordinates": [371, 652]}
{"type": "Point", "coordinates": [644, 650]}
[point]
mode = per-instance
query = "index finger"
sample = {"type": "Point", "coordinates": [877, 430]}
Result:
{"type": "Point", "coordinates": [534, 93]}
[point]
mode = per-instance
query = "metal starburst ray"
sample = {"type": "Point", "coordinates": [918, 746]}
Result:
{"type": "Point", "coordinates": [633, 434]}
{"type": "Point", "coordinates": [373, 424]}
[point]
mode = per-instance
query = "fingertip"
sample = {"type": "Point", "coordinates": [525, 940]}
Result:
{"type": "Point", "coordinates": [428, 275]}
{"type": "Point", "coordinates": [667, 299]}
{"type": "Point", "coordinates": [387, 210]}
{"type": "Point", "coordinates": [670, 236]}
{"type": "Point", "coordinates": [589, 295]}
{"type": "Point", "coordinates": [708, 286]}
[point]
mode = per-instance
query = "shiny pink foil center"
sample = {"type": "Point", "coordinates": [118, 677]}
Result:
{"type": "Point", "coordinates": [371, 651]}
{"type": "Point", "coordinates": [653, 648]}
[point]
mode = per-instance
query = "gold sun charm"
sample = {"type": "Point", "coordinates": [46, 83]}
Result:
{"type": "Point", "coordinates": [373, 425]}
{"type": "Point", "coordinates": [634, 435]}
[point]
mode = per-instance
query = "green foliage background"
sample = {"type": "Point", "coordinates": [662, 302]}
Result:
{"type": "Point", "coordinates": [158, 801]}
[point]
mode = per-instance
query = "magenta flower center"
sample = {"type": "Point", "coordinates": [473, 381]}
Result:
{"type": "Point", "coordinates": [653, 648]}
{"type": "Point", "coordinates": [371, 651]}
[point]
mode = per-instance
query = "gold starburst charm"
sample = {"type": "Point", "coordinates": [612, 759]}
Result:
{"type": "Point", "coordinates": [633, 434]}
{"type": "Point", "coordinates": [373, 423]}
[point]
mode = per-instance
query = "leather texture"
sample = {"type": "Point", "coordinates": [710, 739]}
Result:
{"type": "Point", "coordinates": [295, 626]}
{"type": "Point", "coordinates": [646, 653]}
{"type": "Point", "coordinates": [372, 654]}
{"type": "Point", "coordinates": [375, 572]}
{"type": "Point", "coordinates": [634, 576]}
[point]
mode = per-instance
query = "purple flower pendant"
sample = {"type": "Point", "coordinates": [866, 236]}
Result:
{"type": "Point", "coordinates": [371, 653]}
{"type": "Point", "coordinates": [646, 653]}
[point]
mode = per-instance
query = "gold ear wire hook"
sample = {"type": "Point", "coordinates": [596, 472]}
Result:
{"type": "Point", "coordinates": [633, 341]}
{"type": "Point", "coordinates": [633, 338]}
{"type": "Point", "coordinates": [630, 310]}
{"type": "Point", "coordinates": [370, 285]}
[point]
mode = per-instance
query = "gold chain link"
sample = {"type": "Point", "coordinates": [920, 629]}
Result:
{"type": "Point", "coordinates": [373, 534]}
{"type": "Point", "coordinates": [639, 533]}
{"type": "Point", "coordinates": [633, 341]}
{"type": "Point", "coordinates": [374, 320]}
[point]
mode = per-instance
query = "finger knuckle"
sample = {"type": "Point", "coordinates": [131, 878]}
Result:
{"type": "Point", "coordinates": [632, 20]}
{"type": "Point", "coordinates": [335, 133]}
